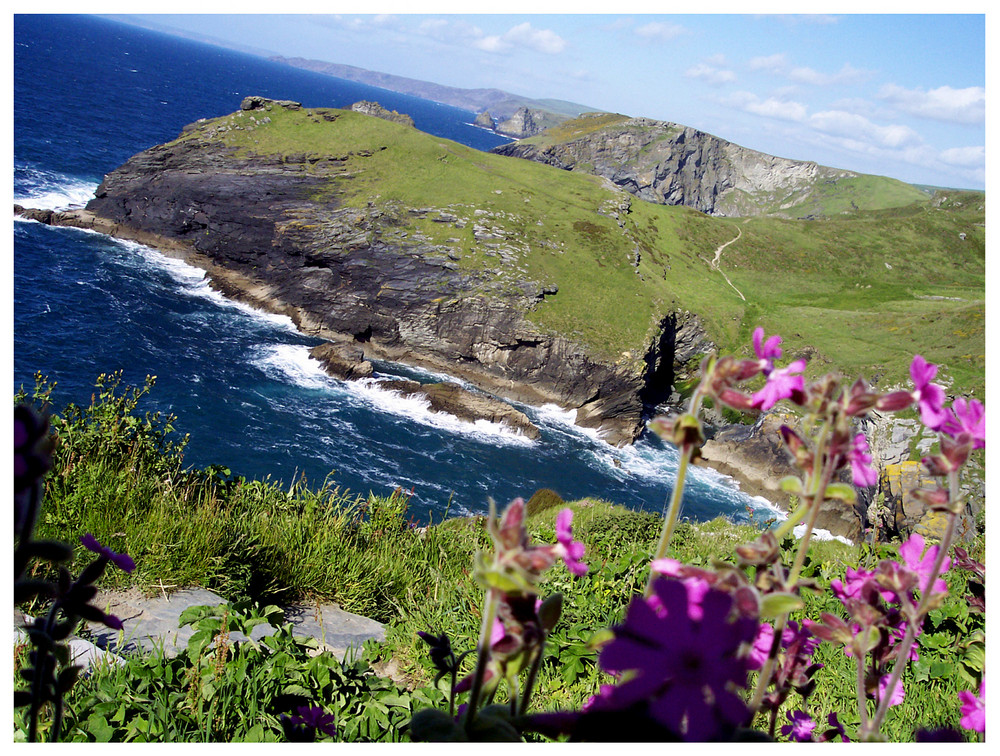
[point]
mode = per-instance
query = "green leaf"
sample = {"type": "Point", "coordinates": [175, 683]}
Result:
{"type": "Point", "coordinates": [776, 604]}
{"type": "Point", "coordinates": [942, 669]}
{"type": "Point", "coordinates": [98, 727]}
{"type": "Point", "coordinates": [394, 699]}
{"type": "Point", "coordinates": [792, 485]}
{"type": "Point", "coordinates": [841, 491]}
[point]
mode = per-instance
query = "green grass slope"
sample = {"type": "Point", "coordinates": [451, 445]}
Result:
{"type": "Point", "coordinates": [863, 291]}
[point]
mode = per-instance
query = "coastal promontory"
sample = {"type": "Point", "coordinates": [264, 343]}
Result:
{"type": "Point", "coordinates": [413, 249]}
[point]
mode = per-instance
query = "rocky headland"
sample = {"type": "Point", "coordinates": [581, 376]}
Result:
{"type": "Point", "coordinates": [267, 231]}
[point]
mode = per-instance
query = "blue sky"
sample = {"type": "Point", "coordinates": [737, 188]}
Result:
{"type": "Point", "coordinates": [896, 95]}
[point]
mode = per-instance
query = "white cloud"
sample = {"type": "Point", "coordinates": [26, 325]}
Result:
{"type": "Point", "coordinates": [965, 157]}
{"type": "Point", "coordinates": [774, 63]}
{"type": "Point", "coordinates": [778, 64]}
{"type": "Point", "coordinates": [942, 104]}
{"type": "Point", "coordinates": [772, 107]}
{"type": "Point", "coordinates": [659, 31]}
{"type": "Point", "coordinates": [710, 74]}
{"type": "Point", "coordinates": [524, 36]}
{"type": "Point", "coordinates": [854, 126]}
{"type": "Point", "coordinates": [846, 75]}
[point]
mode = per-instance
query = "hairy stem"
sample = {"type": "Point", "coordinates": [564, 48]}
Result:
{"type": "Point", "coordinates": [483, 651]}
{"type": "Point", "coordinates": [672, 513]}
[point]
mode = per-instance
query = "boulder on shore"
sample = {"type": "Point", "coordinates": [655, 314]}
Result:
{"type": "Point", "coordinates": [344, 361]}
{"type": "Point", "coordinates": [465, 405]}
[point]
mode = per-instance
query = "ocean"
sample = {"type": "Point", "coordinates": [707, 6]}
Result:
{"type": "Point", "coordinates": [88, 94]}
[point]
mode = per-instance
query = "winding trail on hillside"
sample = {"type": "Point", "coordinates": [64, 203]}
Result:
{"type": "Point", "coordinates": [718, 254]}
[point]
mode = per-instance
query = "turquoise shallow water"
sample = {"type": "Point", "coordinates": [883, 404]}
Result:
{"type": "Point", "coordinates": [90, 93]}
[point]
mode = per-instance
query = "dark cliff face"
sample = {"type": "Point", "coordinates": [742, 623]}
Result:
{"type": "Point", "coordinates": [345, 272]}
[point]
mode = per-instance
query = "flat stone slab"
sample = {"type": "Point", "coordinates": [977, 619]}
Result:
{"type": "Point", "coordinates": [152, 622]}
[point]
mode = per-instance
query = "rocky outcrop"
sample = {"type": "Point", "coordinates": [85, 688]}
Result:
{"type": "Point", "coordinates": [520, 125]}
{"type": "Point", "coordinates": [670, 164]}
{"type": "Point", "coordinates": [345, 360]}
{"type": "Point", "coordinates": [377, 111]}
{"type": "Point", "coordinates": [756, 457]}
{"type": "Point", "coordinates": [485, 121]}
{"type": "Point", "coordinates": [465, 405]}
{"type": "Point", "coordinates": [254, 102]}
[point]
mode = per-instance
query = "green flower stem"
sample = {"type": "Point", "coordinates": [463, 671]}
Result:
{"type": "Point", "coordinates": [672, 513]}
{"type": "Point", "coordinates": [862, 704]}
{"type": "Point", "coordinates": [529, 686]}
{"type": "Point", "coordinates": [903, 651]}
{"type": "Point", "coordinates": [483, 651]}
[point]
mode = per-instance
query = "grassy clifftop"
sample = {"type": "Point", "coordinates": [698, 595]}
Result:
{"type": "Point", "coordinates": [862, 291]}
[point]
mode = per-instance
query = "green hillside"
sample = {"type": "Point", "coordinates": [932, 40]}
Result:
{"type": "Point", "coordinates": [864, 291]}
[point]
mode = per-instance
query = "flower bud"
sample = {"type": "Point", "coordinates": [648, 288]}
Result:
{"type": "Point", "coordinates": [894, 401]}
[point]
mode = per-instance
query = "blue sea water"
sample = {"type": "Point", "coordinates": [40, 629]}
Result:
{"type": "Point", "coordinates": [88, 94]}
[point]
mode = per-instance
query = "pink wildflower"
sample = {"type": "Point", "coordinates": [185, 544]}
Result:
{"type": "Point", "coordinates": [864, 474]}
{"type": "Point", "coordinates": [781, 384]}
{"type": "Point", "coordinates": [766, 351]}
{"type": "Point", "coordinates": [761, 648]}
{"type": "Point", "coordinates": [567, 548]}
{"type": "Point", "coordinates": [912, 552]}
{"type": "Point", "coordinates": [929, 396]}
{"type": "Point", "coordinates": [696, 587]}
{"type": "Point", "coordinates": [974, 708]}
{"type": "Point", "coordinates": [967, 417]}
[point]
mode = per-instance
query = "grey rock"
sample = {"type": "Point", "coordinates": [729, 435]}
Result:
{"type": "Point", "coordinates": [344, 361]}
{"type": "Point", "coordinates": [376, 110]}
{"type": "Point", "coordinates": [520, 125]}
{"type": "Point", "coordinates": [153, 623]}
{"type": "Point", "coordinates": [670, 164]}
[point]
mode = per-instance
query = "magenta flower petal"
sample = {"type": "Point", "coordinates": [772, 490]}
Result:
{"type": "Point", "coordinates": [898, 694]}
{"type": "Point", "coordinates": [801, 727]}
{"type": "Point", "coordinates": [864, 475]}
{"type": "Point", "coordinates": [967, 417]}
{"type": "Point", "coordinates": [781, 384]}
{"type": "Point", "coordinates": [766, 351]}
{"type": "Point", "coordinates": [912, 552]}
{"type": "Point", "coordinates": [974, 708]}
{"type": "Point", "coordinates": [571, 551]}
{"type": "Point", "coordinates": [929, 396]}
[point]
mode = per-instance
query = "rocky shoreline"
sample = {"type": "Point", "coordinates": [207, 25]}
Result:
{"type": "Point", "coordinates": [751, 455]}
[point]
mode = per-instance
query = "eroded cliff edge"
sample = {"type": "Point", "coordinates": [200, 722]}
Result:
{"type": "Point", "coordinates": [268, 229]}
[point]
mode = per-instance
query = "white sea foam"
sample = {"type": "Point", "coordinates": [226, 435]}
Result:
{"type": "Point", "coordinates": [292, 363]}
{"type": "Point", "coordinates": [194, 282]}
{"type": "Point", "coordinates": [54, 191]}
{"type": "Point", "coordinates": [417, 409]}
{"type": "Point", "coordinates": [820, 535]}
